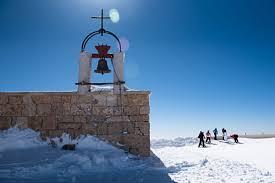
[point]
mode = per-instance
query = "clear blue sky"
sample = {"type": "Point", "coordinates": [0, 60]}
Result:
{"type": "Point", "coordinates": [208, 63]}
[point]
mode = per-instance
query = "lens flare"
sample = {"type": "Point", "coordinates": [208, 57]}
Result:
{"type": "Point", "coordinates": [114, 15]}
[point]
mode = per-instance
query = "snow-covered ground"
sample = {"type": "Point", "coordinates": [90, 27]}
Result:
{"type": "Point", "coordinates": [25, 158]}
{"type": "Point", "coordinates": [252, 160]}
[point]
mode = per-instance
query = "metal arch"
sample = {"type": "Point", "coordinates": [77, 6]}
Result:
{"type": "Point", "coordinates": [100, 31]}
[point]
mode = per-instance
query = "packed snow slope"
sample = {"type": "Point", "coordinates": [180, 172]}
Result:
{"type": "Point", "coordinates": [251, 160]}
{"type": "Point", "coordinates": [24, 157]}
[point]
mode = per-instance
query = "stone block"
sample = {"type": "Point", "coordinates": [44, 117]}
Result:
{"type": "Point", "coordinates": [131, 110]}
{"type": "Point", "coordinates": [118, 119]}
{"type": "Point", "coordinates": [142, 128]}
{"type": "Point", "coordinates": [145, 109]}
{"type": "Point", "coordinates": [12, 110]}
{"type": "Point", "coordinates": [120, 128]}
{"type": "Point", "coordinates": [66, 109]}
{"type": "Point", "coordinates": [5, 122]}
{"type": "Point", "coordinates": [3, 99]}
{"type": "Point", "coordinates": [81, 109]}
{"type": "Point", "coordinates": [76, 126]}
{"type": "Point", "coordinates": [65, 119]}
{"type": "Point", "coordinates": [117, 110]}
{"type": "Point", "coordinates": [49, 123]}
{"type": "Point", "coordinates": [27, 99]}
{"type": "Point", "coordinates": [35, 122]}
{"type": "Point", "coordinates": [42, 99]}
{"type": "Point", "coordinates": [55, 133]}
{"type": "Point", "coordinates": [20, 122]}
{"type": "Point", "coordinates": [122, 100]}
{"type": "Point", "coordinates": [80, 119]}
{"type": "Point", "coordinates": [57, 108]}
{"type": "Point", "coordinates": [89, 128]}
{"type": "Point", "coordinates": [57, 99]}
{"type": "Point", "coordinates": [43, 109]}
{"type": "Point", "coordinates": [102, 128]}
{"type": "Point", "coordinates": [29, 110]}
{"type": "Point", "coordinates": [140, 118]}
{"type": "Point", "coordinates": [15, 99]}
{"type": "Point", "coordinates": [95, 118]}
{"type": "Point", "coordinates": [100, 100]}
{"type": "Point", "coordinates": [138, 99]}
{"type": "Point", "coordinates": [103, 111]}
{"type": "Point", "coordinates": [66, 99]}
{"type": "Point", "coordinates": [112, 100]}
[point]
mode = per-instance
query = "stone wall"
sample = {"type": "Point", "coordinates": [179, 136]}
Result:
{"type": "Point", "coordinates": [120, 119]}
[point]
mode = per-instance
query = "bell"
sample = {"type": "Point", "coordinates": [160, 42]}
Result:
{"type": "Point", "coordinates": [102, 67]}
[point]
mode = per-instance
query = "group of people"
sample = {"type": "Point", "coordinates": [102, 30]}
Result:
{"type": "Point", "coordinates": [215, 132]}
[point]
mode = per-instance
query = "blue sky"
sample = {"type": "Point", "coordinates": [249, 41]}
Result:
{"type": "Point", "coordinates": [208, 63]}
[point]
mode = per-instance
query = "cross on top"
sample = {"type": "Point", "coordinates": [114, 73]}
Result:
{"type": "Point", "coordinates": [102, 17]}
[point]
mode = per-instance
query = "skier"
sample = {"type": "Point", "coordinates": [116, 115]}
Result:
{"type": "Point", "coordinates": [208, 137]}
{"type": "Point", "coordinates": [215, 131]}
{"type": "Point", "coordinates": [201, 137]}
{"type": "Point", "coordinates": [224, 137]}
{"type": "Point", "coordinates": [235, 137]}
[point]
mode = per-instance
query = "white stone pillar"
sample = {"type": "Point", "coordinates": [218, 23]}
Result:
{"type": "Point", "coordinates": [118, 64]}
{"type": "Point", "coordinates": [84, 73]}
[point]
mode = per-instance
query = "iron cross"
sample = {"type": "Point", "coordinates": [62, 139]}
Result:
{"type": "Point", "coordinates": [101, 19]}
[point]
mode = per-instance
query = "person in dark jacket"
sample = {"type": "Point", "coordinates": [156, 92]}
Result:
{"type": "Point", "coordinates": [215, 131]}
{"type": "Point", "coordinates": [201, 137]}
{"type": "Point", "coordinates": [235, 137]}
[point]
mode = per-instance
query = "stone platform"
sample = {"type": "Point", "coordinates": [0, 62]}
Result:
{"type": "Point", "coordinates": [120, 119]}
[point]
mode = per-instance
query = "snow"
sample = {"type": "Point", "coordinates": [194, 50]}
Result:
{"type": "Point", "coordinates": [24, 157]}
{"type": "Point", "coordinates": [252, 160]}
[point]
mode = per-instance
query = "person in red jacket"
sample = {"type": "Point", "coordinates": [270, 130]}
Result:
{"type": "Point", "coordinates": [235, 137]}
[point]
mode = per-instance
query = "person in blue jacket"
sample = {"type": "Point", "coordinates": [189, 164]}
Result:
{"type": "Point", "coordinates": [215, 131]}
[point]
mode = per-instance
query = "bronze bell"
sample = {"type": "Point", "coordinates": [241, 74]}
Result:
{"type": "Point", "coordinates": [102, 67]}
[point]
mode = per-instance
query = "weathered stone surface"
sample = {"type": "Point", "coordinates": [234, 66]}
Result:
{"type": "Point", "coordinates": [112, 100]}
{"type": "Point", "coordinates": [80, 119]}
{"type": "Point", "coordinates": [65, 119]}
{"type": "Point", "coordinates": [5, 122]}
{"type": "Point", "coordinates": [20, 122]}
{"type": "Point", "coordinates": [29, 110]}
{"type": "Point", "coordinates": [120, 128]}
{"type": "Point", "coordinates": [76, 126]}
{"type": "Point", "coordinates": [42, 99]}
{"type": "Point", "coordinates": [100, 100]}
{"type": "Point", "coordinates": [13, 99]}
{"type": "Point", "coordinates": [43, 109]}
{"type": "Point", "coordinates": [117, 110]}
{"type": "Point", "coordinates": [3, 99]}
{"type": "Point", "coordinates": [142, 128]}
{"type": "Point", "coordinates": [90, 128]}
{"type": "Point", "coordinates": [138, 99]}
{"type": "Point", "coordinates": [12, 110]}
{"type": "Point", "coordinates": [66, 109]}
{"type": "Point", "coordinates": [66, 99]}
{"type": "Point", "coordinates": [35, 122]}
{"type": "Point", "coordinates": [57, 99]}
{"type": "Point", "coordinates": [131, 110]}
{"type": "Point", "coordinates": [144, 109]}
{"type": "Point", "coordinates": [57, 108]}
{"type": "Point", "coordinates": [118, 119]}
{"type": "Point", "coordinates": [102, 128]}
{"type": "Point", "coordinates": [140, 118]}
{"type": "Point", "coordinates": [102, 111]}
{"type": "Point", "coordinates": [49, 123]}
{"type": "Point", "coordinates": [81, 109]}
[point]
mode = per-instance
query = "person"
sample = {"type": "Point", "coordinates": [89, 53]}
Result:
{"type": "Point", "coordinates": [223, 133]}
{"type": "Point", "coordinates": [208, 137]}
{"type": "Point", "coordinates": [201, 137]}
{"type": "Point", "coordinates": [215, 131]}
{"type": "Point", "coordinates": [235, 137]}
